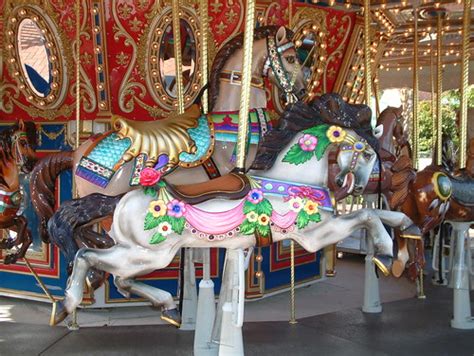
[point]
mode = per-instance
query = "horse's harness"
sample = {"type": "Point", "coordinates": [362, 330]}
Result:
{"type": "Point", "coordinates": [357, 146]}
{"type": "Point", "coordinates": [17, 139]}
{"type": "Point", "coordinates": [275, 63]}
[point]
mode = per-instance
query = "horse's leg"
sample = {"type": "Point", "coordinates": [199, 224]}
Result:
{"type": "Point", "coordinates": [157, 297]}
{"type": "Point", "coordinates": [402, 256]}
{"type": "Point", "coordinates": [23, 238]}
{"type": "Point", "coordinates": [399, 220]}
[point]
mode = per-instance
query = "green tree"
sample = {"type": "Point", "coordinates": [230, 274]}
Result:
{"type": "Point", "coordinates": [450, 106]}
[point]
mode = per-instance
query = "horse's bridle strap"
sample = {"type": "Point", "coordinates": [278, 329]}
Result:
{"type": "Point", "coordinates": [235, 77]}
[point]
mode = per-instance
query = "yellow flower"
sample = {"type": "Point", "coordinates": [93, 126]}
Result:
{"type": "Point", "coordinates": [336, 134]}
{"type": "Point", "coordinates": [311, 207]}
{"type": "Point", "coordinates": [296, 204]}
{"type": "Point", "coordinates": [252, 216]}
{"type": "Point", "coordinates": [157, 208]}
{"type": "Point", "coordinates": [263, 219]}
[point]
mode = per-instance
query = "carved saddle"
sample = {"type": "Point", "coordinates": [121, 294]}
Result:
{"type": "Point", "coordinates": [231, 186]}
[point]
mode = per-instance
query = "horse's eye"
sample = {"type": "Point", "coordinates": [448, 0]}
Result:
{"type": "Point", "coordinates": [367, 155]}
{"type": "Point", "coordinates": [290, 59]}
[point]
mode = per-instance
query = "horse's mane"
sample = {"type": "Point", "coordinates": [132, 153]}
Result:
{"type": "Point", "coordinates": [387, 110]}
{"type": "Point", "coordinates": [402, 175]}
{"type": "Point", "coordinates": [301, 116]}
{"type": "Point", "coordinates": [228, 50]}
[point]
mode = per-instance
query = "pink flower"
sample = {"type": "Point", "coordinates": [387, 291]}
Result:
{"type": "Point", "coordinates": [308, 142]}
{"type": "Point", "coordinates": [149, 177]}
{"type": "Point", "coordinates": [176, 208]}
{"type": "Point", "coordinates": [255, 196]}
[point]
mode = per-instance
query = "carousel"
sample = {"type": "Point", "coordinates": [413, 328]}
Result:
{"type": "Point", "coordinates": [195, 155]}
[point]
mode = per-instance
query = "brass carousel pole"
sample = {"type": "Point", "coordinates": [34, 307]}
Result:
{"type": "Point", "coordinates": [433, 95]}
{"type": "Point", "coordinates": [292, 244]}
{"type": "Point", "coordinates": [204, 52]}
{"type": "Point", "coordinates": [464, 83]}
{"type": "Point", "coordinates": [245, 91]}
{"type": "Point", "coordinates": [439, 89]}
{"type": "Point", "coordinates": [177, 56]}
{"type": "Point", "coordinates": [367, 64]}
{"type": "Point", "coordinates": [415, 93]}
{"type": "Point", "coordinates": [73, 325]}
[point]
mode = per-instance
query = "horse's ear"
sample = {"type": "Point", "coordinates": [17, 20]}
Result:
{"type": "Point", "coordinates": [281, 37]}
{"type": "Point", "coordinates": [378, 131]}
{"type": "Point", "coordinates": [21, 125]}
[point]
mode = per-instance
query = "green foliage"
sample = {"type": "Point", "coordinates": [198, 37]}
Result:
{"type": "Point", "coordinates": [302, 220]}
{"type": "Point", "coordinates": [263, 230]}
{"type": "Point", "coordinates": [264, 207]}
{"type": "Point", "coordinates": [157, 238]}
{"type": "Point", "coordinates": [296, 155]}
{"type": "Point", "coordinates": [151, 222]}
{"type": "Point", "coordinates": [151, 191]}
{"type": "Point", "coordinates": [450, 106]}
{"type": "Point", "coordinates": [247, 228]}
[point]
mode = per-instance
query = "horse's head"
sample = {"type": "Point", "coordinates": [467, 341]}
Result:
{"type": "Point", "coordinates": [23, 141]}
{"type": "Point", "coordinates": [282, 66]}
{"type": "Point", "coordinates": [356, 160]}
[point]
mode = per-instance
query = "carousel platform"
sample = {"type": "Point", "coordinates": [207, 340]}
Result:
{"type": "Point", "coordinates": [330, 322]}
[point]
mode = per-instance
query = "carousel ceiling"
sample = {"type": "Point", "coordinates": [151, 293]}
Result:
{"type": "Point", "coordinates": [395, 21]}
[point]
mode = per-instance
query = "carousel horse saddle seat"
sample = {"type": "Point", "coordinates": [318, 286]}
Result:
{"type": "Point", "coordinates": [168, 137]}
{"type": "Point", "coordinates": [463, 190]}
{"type": "Point", "coordinates": [231, 186]}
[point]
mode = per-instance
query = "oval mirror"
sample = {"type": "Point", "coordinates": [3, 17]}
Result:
{"type": "Point", "coordinates": [168, 62]}
{"type": "Point", "coordinates": [34, 57]}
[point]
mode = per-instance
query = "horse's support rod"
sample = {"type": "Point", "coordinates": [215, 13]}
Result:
{"type": "Point", "coordinates": [40, 282]}
{"type": "Point", "coordinates": [292, 284]}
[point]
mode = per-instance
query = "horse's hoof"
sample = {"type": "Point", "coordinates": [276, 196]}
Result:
{"type": "Point", "coordinates": [411, 232]}
{"type": "Point", "coordinates": [10, 259]}
{"type": "Point", "coordinates": [95, 279]}
{"type": "Point", "coordinates": [383, 263]}
{"type": "Point", "coordinates": [398, 268]}
{"type": "Point", "coordinates": [171, 316]}
{"type": "Point", "coordinates": [58, 314]}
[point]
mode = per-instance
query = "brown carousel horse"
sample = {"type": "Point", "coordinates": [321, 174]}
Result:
{"type": "Point", "coordinates": [423, 196]}
{"type": "Point", "coordinates": [16, 155]}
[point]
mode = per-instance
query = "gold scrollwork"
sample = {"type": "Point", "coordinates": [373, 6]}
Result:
{"type": "Point", "coordinates": [88, 98]}
{"type": "Point", "coordinates": [46, 18]}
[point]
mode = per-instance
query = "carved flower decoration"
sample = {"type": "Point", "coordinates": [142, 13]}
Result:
{"type": "Point", "coordinates": [157, 208]}
{"type": "Point", "coordinates": [296, 204]}
{"type": "Point", "coordinates": [308, 142]}
{"type": "Point", "coordinates": [263, 219]}
{"type": "Point", "coordinates": [255, 196]}
{"type": "Point", "coordinates": [149, 177]}
{"type": "Point", "coordinates": [252, 216]}
{"type": "Point", "coordinates": [311, 207]}
{"type": "Point", "coordinates": [165, 228]}
{"type": "Point", "coordinates": [336, 134]}
{"type": "Point", "coordinates": [176, 208]}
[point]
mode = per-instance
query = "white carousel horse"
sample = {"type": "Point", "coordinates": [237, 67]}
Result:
{"type": "Point", "coordinates": [285, 202]}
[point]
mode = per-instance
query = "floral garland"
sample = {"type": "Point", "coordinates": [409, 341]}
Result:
{"type": "Point", "coordinates": [314, 142]}
{"type": "Point", "coordinates": [167, 215]}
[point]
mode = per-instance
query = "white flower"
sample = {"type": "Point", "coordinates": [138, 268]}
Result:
{"type": "Point", "coordinates": [252, 216]}
{"type": "Point", "coordinates": [165, 228]}
{"type": "Point", "coordinates": [296, 204]}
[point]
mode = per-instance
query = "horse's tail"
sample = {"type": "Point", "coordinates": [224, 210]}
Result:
{"type": "Point", "coordinates": [74, 214]}
{"type": "Point", "coordinates": [42, 183]}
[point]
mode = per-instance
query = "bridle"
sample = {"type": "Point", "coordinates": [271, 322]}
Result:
{"type": "Point", "coordinates": [17, 139]}
{"type": "Point", "coordinates": [285, 80]}
{"type": "Point", "coordinates": [357, 146]}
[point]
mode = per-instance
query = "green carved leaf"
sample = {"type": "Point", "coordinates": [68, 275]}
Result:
{"type": "Point", "coordinates": [296, 155]}
{"type": "Point", "coordinates": [263, 230]}
{"type": "Point", "coordinates": [247, 228]}
{"type": "Point", "coordinates": [315, 217]}
{"type": "Point", "coordinates": [248, 207]}
{"type": "Point", "coordinates": [264, 207]}
{"type": "Point", "coordinates": [323, 141]}
{"type": "Point", "coordinates": [150, 191]}
{"type": "Point", "coordinates": [157, 238]}
{"type": "Point", "coordinates": [302, 220]}
{"type": "Point", "coordinates": [151, 222]}
{"type": "Point", "coordinates": [177, 224]}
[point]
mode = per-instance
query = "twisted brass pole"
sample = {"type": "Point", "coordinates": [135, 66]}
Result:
{"type": "Point", "coordinates": [415, 94]}
{"type": "Point", "coordinates": [464, 83]}
{"type": "Point", "coordinates": [433, 95]}
{"type": "Point", "coordinates": [367, 64]}
{"type": "Point", "coordinates": [204, 52]}
{"type": "Point", "coordinates": [245, 87]}
{"type": "Point", "coordinates": [439, 89]}
{"type": "Point", "coordinates": [78, 72]}
{"type": "Point", "coordinates": [177, 56]}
